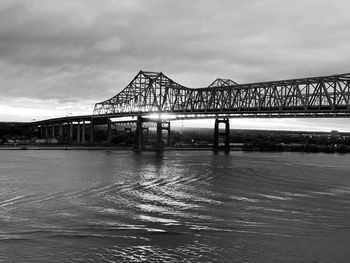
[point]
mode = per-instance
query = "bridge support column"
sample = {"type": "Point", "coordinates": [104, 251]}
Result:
{"type": "Point", "coordinates": [70, 131]}
{"type": "Point", "coordinates": [167, 128]}
{"type": "Point", "coordinates": [216, 135]}
{"type": "Point", "coordinates": [109, 131]}
{"type": "Point", "coordinates": [159, 135]}
{"type": "Point", "coordinates": [220, 136]}
{"type": "Point", "coordinates": [60, 130]}
{"type": "Point", "coordinates": [41, 131]}
{"type": "Point", "coordinates": [160, 127]}
{"type": "Point", "coordinates": [139, 133]}
{"type": "Point", "coordinates": [83, 133]}
{"type": "Point", "coordinates": [78, 132]}
{"type": "Point", "coordinates": [46, 131]}
{"type": "Point", "coordinates": [66, 131]}
{"type": "Point", "coordinates": [53, 131]}
{"type": "Point", "coordinates": [91, 135]}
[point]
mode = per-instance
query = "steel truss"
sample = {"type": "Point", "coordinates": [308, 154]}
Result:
{"type": "Point", "coordinates": [151, 92]}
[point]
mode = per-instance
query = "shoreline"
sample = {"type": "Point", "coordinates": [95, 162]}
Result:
{"type": "Point", "coordinates": [130, 148]}
{"type": "Point", "coordinates": [97, 147]}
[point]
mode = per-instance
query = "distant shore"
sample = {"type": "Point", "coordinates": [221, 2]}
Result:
{"type": "Point", "coordinates": [200, 139]}
{"type": "Point", "coordinates": [97, 147]}
{"type": "Point", "coordinates": [314, 149]}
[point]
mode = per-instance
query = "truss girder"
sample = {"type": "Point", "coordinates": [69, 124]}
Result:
{"type": "Point", "coordinates": [154, 92]}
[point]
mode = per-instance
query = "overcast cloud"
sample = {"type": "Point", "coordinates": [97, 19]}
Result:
{"type": "Point", "coordinates": [63, 56]}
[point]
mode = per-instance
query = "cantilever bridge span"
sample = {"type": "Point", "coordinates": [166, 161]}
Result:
{"type": "Point", "coordinates": [152, 93]}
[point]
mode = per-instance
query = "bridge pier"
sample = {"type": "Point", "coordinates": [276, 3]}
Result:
{"type": "Point", "coordinates": [46, 131]}
{"type": "Point", "coordinates": [83, 133]}
{"type": "Point", "coordinates": [109, 131]}
{"type": "Point", "coordinates": [91, 135]}
{"type": "Point", "coordinates": [66, 131]}
{"type": "Point", "coordinates": [160, 127]}
{"type": "Point", "coordinates": [60, 130]}
{"type": "Point", "coordinates": [41, 131]}
{"type": "Point", "coordinates": [221, 135]}
{"type": "Point", "coordinates": [70, 131]}
{"type": "Point", "coordinates": [53, 131]}
{"type": "Point", "coordinates": [166, 126]}
{"type": "Point", "coordinates": [139, 131]}
{"type": "Point", "coordinates": [78, 131]}
{"type": "Point", "coordinates": [159, 135]}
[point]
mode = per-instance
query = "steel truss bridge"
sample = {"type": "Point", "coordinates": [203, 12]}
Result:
{"type": "Point", "coordinates": [152, 93]}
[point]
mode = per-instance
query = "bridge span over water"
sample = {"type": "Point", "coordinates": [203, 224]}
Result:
{"type": "Point", "coordinates": [153, 93]}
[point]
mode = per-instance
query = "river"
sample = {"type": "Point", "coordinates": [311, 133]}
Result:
{"type": "Point", "coordinates": [175, 206]}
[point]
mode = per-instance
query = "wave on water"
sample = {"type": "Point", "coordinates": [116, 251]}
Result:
{"type": "Point", "coordinates": [171, 207]}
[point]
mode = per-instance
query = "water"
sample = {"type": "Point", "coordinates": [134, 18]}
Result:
{"type": "Point", "coordinates": [178, 206]}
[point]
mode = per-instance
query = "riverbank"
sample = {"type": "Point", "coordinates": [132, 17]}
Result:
{"type": "Point", "coordinates": [97, 147]}
{"type": "Point", "coordinates": [63, 147]}
{"type": "Point", "coordinates": [313, 149]}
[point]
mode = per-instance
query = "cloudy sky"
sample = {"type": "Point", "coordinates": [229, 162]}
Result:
{"type": "Point", "coordinates": [60, 57]}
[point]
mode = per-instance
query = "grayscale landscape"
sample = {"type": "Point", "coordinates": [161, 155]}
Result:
{"type": "Point", "coordinates": [174, 131]}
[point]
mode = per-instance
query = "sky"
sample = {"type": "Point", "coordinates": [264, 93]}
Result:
{"type": "Point", "coordinates": [59, 58]}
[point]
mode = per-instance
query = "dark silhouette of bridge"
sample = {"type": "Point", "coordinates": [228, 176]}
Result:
{"type": "Point", "coordinates": [152, 93]}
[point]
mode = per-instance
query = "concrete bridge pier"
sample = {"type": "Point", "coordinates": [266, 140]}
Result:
{"type": "Point", "coordinates": [78, 131]}
{"type": "Point", "coordinates": [91, 135]}
{"type": "Point", "coordinates": [139, 131]}
{"type": "Point", "coordinates": [53, 131]}
{"type": "Point", "coordinates": [222, 135]}
{"type": "Point", "coordinates": [159, 135]}
{"type": "Point", "coordinates": [83, 133]}
{"type": "Point", "coordinates": [66, 131]}
{"type": "Point", "coordinates": [60, 130]}
{"type": "Point", "coordinates": [166, 126]}
{"type": "Point", "coordinates": [160, 127]}
{"type": "Point", "coordinates": [46, 131]}
{"type": "Point", "coordinates": [41, 131]}
{"type": "Point", "coordinates": [70, 131]}
{"type": "Point", "coordinates": [109, 131]}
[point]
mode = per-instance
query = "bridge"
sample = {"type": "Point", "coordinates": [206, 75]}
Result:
{"type": "Point", "coordinates": [151, 92]}
{"type": "Point", "coordinates": [154, 94]}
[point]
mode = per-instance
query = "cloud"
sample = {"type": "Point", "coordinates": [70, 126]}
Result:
{"type": "Point", "coordinates": [113, 44]}
{"type": "Point", "coordinates": [83, 51]}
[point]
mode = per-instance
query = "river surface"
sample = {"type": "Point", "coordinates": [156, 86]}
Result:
{"type": "Point", "coordinates": [176, 206]}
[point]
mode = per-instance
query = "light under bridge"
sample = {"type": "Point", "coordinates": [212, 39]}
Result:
{"type": "Point", "coordinates": [153, 93]}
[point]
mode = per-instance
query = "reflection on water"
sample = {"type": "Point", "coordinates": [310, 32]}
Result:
{"type": "Point", "coordinates": [114, 206]}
